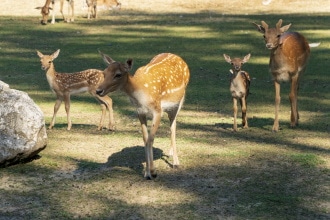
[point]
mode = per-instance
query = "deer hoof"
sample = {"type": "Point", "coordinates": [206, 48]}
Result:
{"type": "Point", "coordinates": [112, 128]}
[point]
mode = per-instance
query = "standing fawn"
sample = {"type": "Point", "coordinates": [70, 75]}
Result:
{"type": "Point", "coordinates": [239, 87]}
{"type": "Point", "coordinates": [289, 53]}
{"type": "Point", "coordinates": [65, 84]}
{"type": "Point", "coordinates": [159, 86]}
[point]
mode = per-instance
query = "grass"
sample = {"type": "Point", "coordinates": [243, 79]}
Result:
{"type": "Point", "coordinates": [251, 174]}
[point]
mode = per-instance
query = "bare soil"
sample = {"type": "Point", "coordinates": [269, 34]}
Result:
{"type": "Point", "coordinates": [27, 7]}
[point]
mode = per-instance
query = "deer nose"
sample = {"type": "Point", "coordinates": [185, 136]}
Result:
{"type": "Point", "coordinates": [269, 45]}
{"type": "Point", "coordinates": [237, 67]}
{"type": "Point", "coordinates": [99, 92]}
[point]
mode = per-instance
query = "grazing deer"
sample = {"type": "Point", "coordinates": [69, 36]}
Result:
{"type": "Point", "coordinates": [289, 53]}
{"type": "Point", "coordinates": [239, 87]}
{"type": "Point", "coordinates": [46, 9]}
{"type": "Point", "coordinates": [65, 84]}
{"type": "Point", "coordinates": [159, 86]}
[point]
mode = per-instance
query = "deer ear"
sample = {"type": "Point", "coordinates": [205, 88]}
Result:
{"type": "Point", "coordinates": [106, 58]}
{"type": "Point", "coordinates": [285, 28]}
{"type": "Point", "coordinates": [129, 64]}
{"type": "Point", "coordinates": [227, 58]}
{"type": "Point", "coordinates": [260, 28]}
{"type": "Point", "coordinates": [246, 58]}
{"type": "Point", "coordinates": [40, 54]}
{"type": "Point", "coordinates": [55, 54]}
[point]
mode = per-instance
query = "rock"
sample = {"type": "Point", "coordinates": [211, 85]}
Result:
{"type": "Point", "coordinates": [22, 127]}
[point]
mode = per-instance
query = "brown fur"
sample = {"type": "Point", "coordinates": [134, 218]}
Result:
{"type": "Point", "coordinates": [288, 59]}
{"type": "Point", "coordinates": [239, 87]}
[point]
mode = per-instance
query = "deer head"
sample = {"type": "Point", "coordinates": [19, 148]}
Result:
{"type": "Point", "coordinates": [115, 75]}
{"type": "Point", "coordinates": [236, 63]}
{"type": "Point", "coordinates": [47, 60]}
{"type": "Point", "coordinates": [45, 10]}
{"type": "Point", "coordinates": [272, 35]}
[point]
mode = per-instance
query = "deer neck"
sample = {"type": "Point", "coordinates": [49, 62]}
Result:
{"type": "Point", "coordinates": [130, 86]}
{"type": "Point", "coordinates": [51, 74]}
{"type": "Point", "coordinates": [235, 73]}
{"type": "Point", "coordinates": [47, 3]}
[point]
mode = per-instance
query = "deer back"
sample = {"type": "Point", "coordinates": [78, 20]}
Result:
{"type": "Point", "coordinates": [162, 80]}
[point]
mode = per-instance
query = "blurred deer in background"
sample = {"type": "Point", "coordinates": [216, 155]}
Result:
{"type": "Point", "coordinates": [45, 10]}
{"type": "Point", "coordinates": [65, 84]}
{"type": "Point", "coordinates": [239, 87]}
{"type": "Point", "coordinates": [159, 86]}
{"type": "Point", "coordinates": [93, 4]}
{"type": "Point", "coordinates": [289, 53]}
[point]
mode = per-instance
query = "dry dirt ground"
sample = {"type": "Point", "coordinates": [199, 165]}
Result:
{"type": "Point", "coordinates": [27, 7]}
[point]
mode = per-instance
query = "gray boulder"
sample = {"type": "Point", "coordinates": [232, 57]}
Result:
{"type": "Point", "coordinates": [22, 127]}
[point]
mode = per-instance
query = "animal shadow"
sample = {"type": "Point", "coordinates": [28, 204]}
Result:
{"type": "Point", "coordinates": [132, 158]}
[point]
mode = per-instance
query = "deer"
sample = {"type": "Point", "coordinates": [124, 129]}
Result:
{"type": "Point", "coordinates": [157, 87]}
{"type": "Point", "coordinates": [65, 84]}
{"type": "Point", "coordinates": [239, 87]}
{"type": "Point", "coordinates": [92, 6]}
{"type": "Point", "coordinates": [289, 54]}
{"type": "Point", "coordinates": [45, 10]}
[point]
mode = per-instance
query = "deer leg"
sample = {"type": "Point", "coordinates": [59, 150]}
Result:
{"type": "Point", "coordinates": [89, 12]}
{"type": "Point", "coordinates": [67, 109]}
{"type": "Point", "coordinates": [150, 169]}
{"type": "Point", "coordinates": [95, 8]}
{"type": "Point", "coordinates": [108, 101]}
{"type": "Point", "coordinates": [173, 151]}
{"type": "Point", "coordinates": [277, 105]}
{"type": "Point", "coordinates": [235, 113]}
{"type": "Point", "coordinates": [61, 9]}
{"type": "Point", "coordinates": [71, 7]}
{"type": "Point", "coordinates": [53, 13]}
{"type": "Point", "coordinates": [172, 117]}
{"type": "Point", "coordinates": [244, 107]}
{"type": "Point", "coordinates": [143, 121]}
{"type": "Point", "coordinates": [293, 101]}
{"type": "Point", "coordinates": [56, 107]}
{"type": "Point", "coordinates": [104, 111]}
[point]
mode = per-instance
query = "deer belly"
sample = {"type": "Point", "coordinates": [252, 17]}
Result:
{"type": "Point", "coordinates": [79, 90]}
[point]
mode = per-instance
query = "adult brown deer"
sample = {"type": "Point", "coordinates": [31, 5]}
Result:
{"type": "Point", "coordinates": [45, 10]}
{"type": "Point", "coordinates": [159, 86]}
{"type": "Point", "coordinates": [65, 84]}
{"type": "Point", "coordinates": [289, 53]}
{"type": "Point", "coordinates": [239, 87]}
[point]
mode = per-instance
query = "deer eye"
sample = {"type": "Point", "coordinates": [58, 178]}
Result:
{"type": "Point", "coordinates": [279, 36]}
{"type": "Point", "coordinates": [264, 36]}
{"type": "Point", "coordinates": [117, 75]}
{"type": "Point", "coordinates": [50, 61]}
